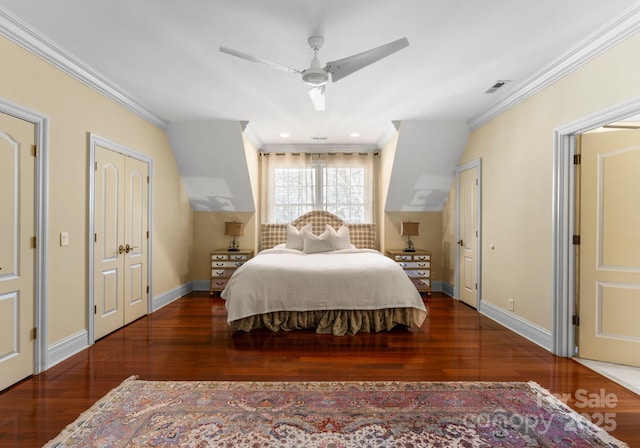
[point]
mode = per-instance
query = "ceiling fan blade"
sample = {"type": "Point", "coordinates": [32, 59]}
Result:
{"type": "Point", "coordinates": [343, 67]}
{"type": "Point", "coordinates": [317, 97]}
{"type": "Point", "coordinates": [248, 57]}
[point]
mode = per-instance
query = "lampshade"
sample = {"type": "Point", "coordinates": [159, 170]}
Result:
{"type": "Point", "coordinates": [409, 228]}
{"type": "Point", "coordinates": [233, 228]}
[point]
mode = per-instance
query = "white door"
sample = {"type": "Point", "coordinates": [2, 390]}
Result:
{"type": "Point", "coordinates": [135, 237]}
{"type": "Point", "coordinates": [120, 243]}
{"type": "Point", "coordinates": [468, 233]}
{"type": "Point", "coordinates": [17, 231]}
{"type": "Point", "coordinates": [609, 292]}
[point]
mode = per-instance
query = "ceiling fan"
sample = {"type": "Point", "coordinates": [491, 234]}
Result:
{"type": "Point", "coordinates": [316, 76]}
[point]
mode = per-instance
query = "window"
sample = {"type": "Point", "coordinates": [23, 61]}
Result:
{"type": "Point", "coordinates": [338, 183]}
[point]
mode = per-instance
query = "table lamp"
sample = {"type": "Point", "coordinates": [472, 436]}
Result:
{"type": "Point", "coordinates": [409, 229]}
{"type": "Point", "coordinates": [235, 229]}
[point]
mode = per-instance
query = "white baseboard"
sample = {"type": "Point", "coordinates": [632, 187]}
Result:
{"type": "Point", "coordinates": [61, 350]}
{"type": "Point", "coordinates": [201, 285]}
{"type": "Point", "coordinates": [448, 289]}
{"type": "Point", "coordinates": [169, 296]}
{"type": "Point", "coordinates": [526, 329]}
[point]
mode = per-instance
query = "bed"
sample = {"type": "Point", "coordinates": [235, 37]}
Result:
{"type": "Point", "coordinates": [318, 272]}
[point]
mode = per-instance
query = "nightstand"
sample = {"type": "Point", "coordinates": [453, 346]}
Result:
{"type": "Point", "coordinates": [223, 264]}
{"type": "Point", "coordinates": [417, 265]}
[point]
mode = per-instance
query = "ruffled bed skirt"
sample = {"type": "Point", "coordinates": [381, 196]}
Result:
{"type": "Point", "coordinates": [336, 322]}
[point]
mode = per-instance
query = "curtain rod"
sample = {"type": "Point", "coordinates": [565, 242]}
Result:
{"type": "Point", "coordinates": [318, 154]}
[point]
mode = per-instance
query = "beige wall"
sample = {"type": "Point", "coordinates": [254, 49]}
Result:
{"type": "Point", "coordinates": [449, 244]}
{"type": "Point", "coordinates": [517, 162]}
{"type": "Point", "coordinates": [74, 111]}
{"type": "Point", "coordinates": [385, 166]}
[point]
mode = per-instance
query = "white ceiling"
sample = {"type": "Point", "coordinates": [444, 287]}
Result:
{"type": "Point", "coordinates": [164, 53]}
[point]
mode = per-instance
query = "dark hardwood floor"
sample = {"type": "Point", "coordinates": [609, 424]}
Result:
{"type": "Point", "coordinates": [190, 340]}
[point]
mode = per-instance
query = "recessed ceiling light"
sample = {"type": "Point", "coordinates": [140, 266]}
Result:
{"type": "Point", "coordinates": [354, 135]}
{"type": "Point", "coordinates": [285, 135]}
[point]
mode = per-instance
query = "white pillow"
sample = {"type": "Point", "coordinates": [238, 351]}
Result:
{"type": "Point", "coordinates": [314, 244]}
{"type": "Point", "coordinates": [341, 238]}
{"type": "Point", "coordinates": [295, 237]}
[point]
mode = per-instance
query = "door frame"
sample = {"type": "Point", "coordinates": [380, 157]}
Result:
{"type": "Point", "coordinates": [41, 123]}
{"type": "Point", "coordinates": [564, 219]}
{"type": "Point", "coordinates": [477, 163]}
{"type": "Point", "coordinates": [96, 140]}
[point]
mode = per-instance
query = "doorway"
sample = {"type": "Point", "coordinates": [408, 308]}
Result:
{"type": "Point", "coordinates": [120, 219]}
{"type": "Point", "coordinates": [608, 285]}
{"type": "Point", "coordinates": [23, 155]}
{"type": "Point", "coordinates": [564, 220]}
{"type": "Point", "coordinates": [468, 231]}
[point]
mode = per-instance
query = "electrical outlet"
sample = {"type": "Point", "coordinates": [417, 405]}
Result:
{"type": "Point", "coordinates": [64, 238]}
{"type": "Point", "coordinates": [510, 304]}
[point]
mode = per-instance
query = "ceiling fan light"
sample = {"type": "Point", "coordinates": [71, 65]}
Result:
{"type": "Point", "coordinates": [315, 77]}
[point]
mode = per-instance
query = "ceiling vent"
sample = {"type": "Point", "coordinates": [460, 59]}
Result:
{"type": "Point", "coordinates": [319, 138]}
{"type": "Point", "coordinates": [498, 85]}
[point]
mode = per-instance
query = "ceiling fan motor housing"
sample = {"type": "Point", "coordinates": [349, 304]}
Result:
{"type": "Point", "coordinates": [315, 77]}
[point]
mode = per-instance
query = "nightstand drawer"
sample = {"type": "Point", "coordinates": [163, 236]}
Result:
{"type": "Point", "coordinates": [413, 273]}
{"type": "Point", "coordinates": [219, 257]}
{"type": "Point", "coordinates": [222, 273]}
{"type": "Point", "coordinates": [415, 264]}
{"type": "Point", "coordinates": [403, 257]}
{"type": "Point", "coordinates": [218, 284]}
{"type": "Point", "coordinates": [226, 264]}
{"type": "Point", "coordinates": [236, 257]}
{"type": "Point", "coordinates": [422, 284]}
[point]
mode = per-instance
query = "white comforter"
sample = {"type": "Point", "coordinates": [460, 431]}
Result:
{"type": "Point", "coordinates": [282, 279]}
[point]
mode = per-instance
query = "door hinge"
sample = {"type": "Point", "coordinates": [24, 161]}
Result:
{"type": "Point", "coordinates": [147, 289]}
{"type": "Point", "coordinates": [147, 179]}
{"type": "Point", "coordinates": [34, 150]}
{"type": "Point", "coordinates": [95, 237]}
{"type": "Point", "coordinates": [95, 168]}
{"type": "Point", "coordinates": [476, 181]}
{"type": "Point", "coordinates": [95, 309]}
{"type": "Point", "coordinates": [575, 320]}
{"type": "Point", "coordinates": [476, 286]}
{"type": "Point", "coordinates": [577, 159]}
{"type": "Point", "coordinates": [34, 333]}
{"type": "Point", "coordinates": [147, 234]}
{"type": "Point", "coordinates": [34, 241]}
{"type": "Point", "coordinates": [576, 240]}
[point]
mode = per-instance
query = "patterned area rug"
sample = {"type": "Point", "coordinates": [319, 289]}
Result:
{"type": "Point", "coordinates": [331, 414]}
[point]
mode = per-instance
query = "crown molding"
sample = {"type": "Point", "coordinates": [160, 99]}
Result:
{"type": "Point", "coordinates": [389, 133]}
{"type": "Point", "coordinates": [252, 135]}
{"type": "Point", "coordinates": [33, 41]}
{"type": "Point", "coordinates": [605, 38]}
{"type": "Point", "coordinates": [317, 147]}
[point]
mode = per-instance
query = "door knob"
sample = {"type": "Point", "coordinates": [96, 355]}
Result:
{"type": "Point", "coordinates": [460, 243]}
{"type": "Point", "coordinates": [128, 248]}
{"type": "Point", "coordinates": [121, 249]}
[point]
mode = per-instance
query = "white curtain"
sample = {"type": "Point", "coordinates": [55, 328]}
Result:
{"type": "Point", "coordinates": [348, 186]}
{"type": "Point", "coordinates": [295, 183]}
{"type": "Point", "coordinates": [286, 179]}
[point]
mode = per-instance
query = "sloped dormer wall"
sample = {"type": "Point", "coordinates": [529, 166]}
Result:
{"type": "Point", "coordinates": [416, 173]}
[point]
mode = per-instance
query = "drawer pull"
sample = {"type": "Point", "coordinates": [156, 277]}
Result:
{"type": "Point", "coordinates": [219, 264]}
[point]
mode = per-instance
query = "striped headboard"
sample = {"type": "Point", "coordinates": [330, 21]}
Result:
{"type": "Point", "coordinates": [363, 236]}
